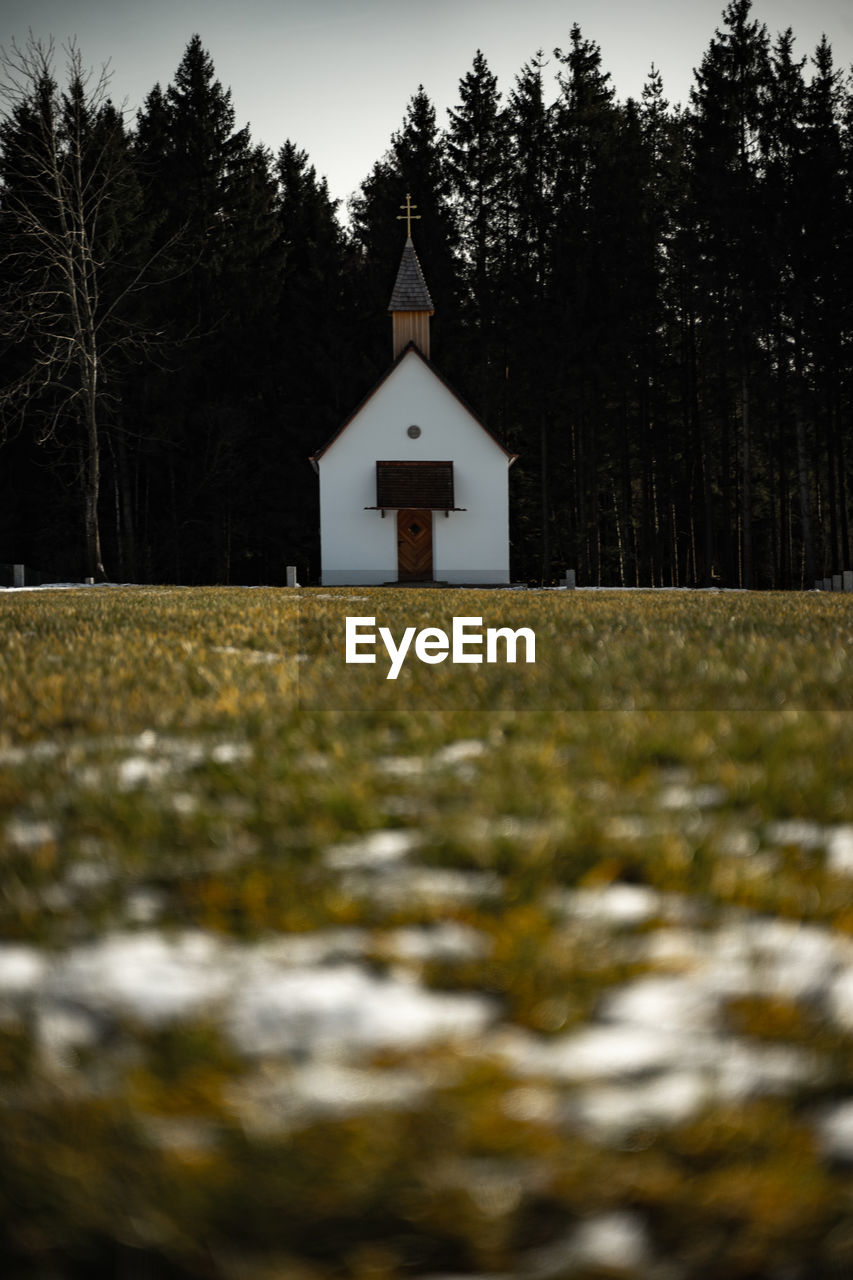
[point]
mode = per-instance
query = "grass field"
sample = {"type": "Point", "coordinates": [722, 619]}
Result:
{"type": "Point", "coordinates": [503, 970]}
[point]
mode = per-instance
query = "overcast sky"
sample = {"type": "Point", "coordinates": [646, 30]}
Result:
{"type": "Point", "coordinates": [336, 75]}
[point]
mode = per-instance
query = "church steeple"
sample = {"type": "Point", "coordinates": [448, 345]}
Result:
{"type": "Point", "coordinates": [410, 306]}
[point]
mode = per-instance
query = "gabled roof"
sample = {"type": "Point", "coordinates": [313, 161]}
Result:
{"type": "Point", "coordinates": [315, 457]}
{"type": "Point", "coordinates": [410, 292]}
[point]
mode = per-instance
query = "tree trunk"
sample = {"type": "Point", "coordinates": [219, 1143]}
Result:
{"type": "Point", "coordinates": [91, 494]}
{"type": "Point", "coordinates": [746, 484]}
{"type": "Point", "coordinates": [803, 490]}
{"type": "Point", "coordinates": [544, 502]}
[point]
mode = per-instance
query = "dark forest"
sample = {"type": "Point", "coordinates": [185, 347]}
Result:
{"type": "Point", "coordinates": [651, 305]}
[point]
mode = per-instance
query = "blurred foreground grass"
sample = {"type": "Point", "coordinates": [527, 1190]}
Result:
{"type": "Point", "coordinates": [199, 770]}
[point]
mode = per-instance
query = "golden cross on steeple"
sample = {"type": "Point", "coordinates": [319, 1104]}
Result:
{"type": "Point", "coordinates": [408, 215]}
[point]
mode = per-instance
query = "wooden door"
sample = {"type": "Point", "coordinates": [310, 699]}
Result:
{"type": "Point", "coordinates": [414, 546]}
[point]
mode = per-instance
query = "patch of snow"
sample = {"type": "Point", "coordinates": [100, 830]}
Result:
{"type": "Point", "coordinates": [777, 957]}
{"type": "Point", "coordinates": [34, 751]}
{"type": "Point", "coordinates": [30, 833]}
{"type": "Point", "coordinates": [446, 941]}
{"type": "Point", "coordinates": [150, 759]}
{"type": "Point", "coordinates": [301, 993]}
{"type": "Point", "coordinates": [255, 657]}
{"type": "Point", "coordinates": [594, 1053]}
{"type": "Point", "coordinates": [618, 1241]}
{"type": "Point", "coordinates": [279, 1100]}
{"type": "Point", "coordinates": [231, 752]}
{"type": "Point", "coordinates": [342, 1006]}
{"type": "Point", "coordinates": [660, 1048]}
{"type": "Point", "coordinates": [744, 1071]}
{"type": "Point", "coordinates": [139, 771]}
{"type": "Point", "coordinates": [835, 1130]}
{"type": "Point", "coordinates": [428, 886]}
{"type": "Point", "coordinates": [334, 1087]}
{"type": "Point", "coordinates": [457, 752]}
{"type": "Point", "coordinates": [839, 850]}
{"type": "Point", "coordinates": [154, 978]}
{"type": "Point", "coordinates": [402, 766]}
{"type": "Point", "coordinates": [374, 850]}
{"type": "Point", "coordinates": [614, 904]}
{"type": "Point", "coordinates": [840, 999]}
{"type": "Point", "coordinates": [60, 586]}
{"type": "Point", "coordinates": [612, 1111]}
{"type": "Point", "coordinates": [63, 1028]}
{"type": "Point", "coordinates": [674, 1005]}
{"type": "Point", "coordinates": [680, 796]}
{"type": "Point", "coordinates": [21, 968]}
{"type": "Point", "coordinates": [795, 831]}
{"type": "Point", "coordinates": [317, 947]}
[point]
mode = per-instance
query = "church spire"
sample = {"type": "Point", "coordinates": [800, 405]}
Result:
{"type": "Point", "coordinates": [410, 306]}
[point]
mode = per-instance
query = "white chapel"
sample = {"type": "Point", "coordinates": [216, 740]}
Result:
{"type": "Point", "coordinates": [413, 486]}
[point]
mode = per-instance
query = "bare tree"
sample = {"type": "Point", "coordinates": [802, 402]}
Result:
{"type": "Point", "coordinates": [69, 262]}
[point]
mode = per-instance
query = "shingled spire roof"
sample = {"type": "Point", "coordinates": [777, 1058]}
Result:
{"type": "Point", "coordinates": [410, 290]}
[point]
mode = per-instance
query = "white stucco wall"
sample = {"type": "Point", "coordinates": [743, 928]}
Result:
{"type": "Point", "coordinates": [359, 546]}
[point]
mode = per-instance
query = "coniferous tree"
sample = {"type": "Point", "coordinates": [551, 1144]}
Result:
{"type": "Point", "coordinates": [729, 105]}
{"type": "Point", "coordinates": [528, 386]}
{"type": "Point", "coordinates": [826, 213]}
{"type": "Point", "coordinates": [586, 306]}
{"type": "Point", "coordinates": [211, 195]}
{"type": "Point", "coordinates": [319, 371]}
{"type": "Point", "coordinates": [415, 164]}
{"type": "Point", "coordinates": [785, 157]}
{"type": "Point", "coordinates": [665, 458]}
{"type": "Point", "coordinates": [476, 164]}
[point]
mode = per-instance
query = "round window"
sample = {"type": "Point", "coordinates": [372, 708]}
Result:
{"type": "Point", "coordinates": [413, 432]}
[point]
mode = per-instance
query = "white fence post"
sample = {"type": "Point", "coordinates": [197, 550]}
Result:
{"type": "Point", "coordinates": [291, 576]}
{"type": "Point", "coordinates": [18, 571]}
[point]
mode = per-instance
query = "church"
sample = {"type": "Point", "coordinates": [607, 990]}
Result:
{"type": "Point", "coordinates": [414, 488]}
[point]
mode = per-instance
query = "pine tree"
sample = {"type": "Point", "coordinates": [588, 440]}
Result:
{"type": "Point", "coordinates": [211, 196]}
{"type": "Point", "coordinates": [531, 155]}
{"type": "Point", "coordinates": [476, 164]}
{"type": "Point", "coordinates": [525, 292]}
{"type": "Point", "coordinates": [587, 306]}
{"type": "Point", "coordinates": [415, 164]}
{"type": "Point", "coordinates": [319, 375]}
{"type": "Point", "coordinates": [665, 460]}
{"type": "Point", "coordinates": [729, 104]}
{"type": "Point", "coordinates": [826, 219]}
{"type": "Point", "coordinates": [784, 145]}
